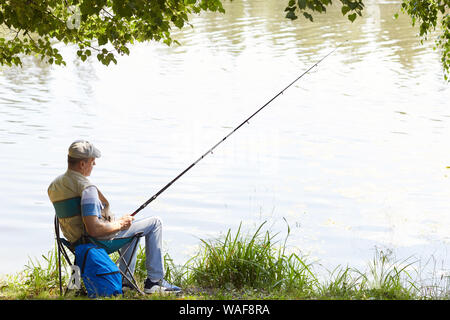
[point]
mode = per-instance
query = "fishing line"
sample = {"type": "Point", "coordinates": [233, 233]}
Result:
{"type": "Point", "coordinates": [233, 131]}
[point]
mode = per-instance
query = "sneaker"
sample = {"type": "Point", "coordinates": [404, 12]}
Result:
{"type": "Point", "coordinates": [161, 286]}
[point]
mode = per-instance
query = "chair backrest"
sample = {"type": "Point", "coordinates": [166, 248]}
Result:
{"type": "Point", "coordinates": [68, 208]}
{"type": "Point", "coordinates": [68, 212]}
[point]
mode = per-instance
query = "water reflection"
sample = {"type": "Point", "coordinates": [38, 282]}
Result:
{"type": "Point", "coordinates": [262, 28]}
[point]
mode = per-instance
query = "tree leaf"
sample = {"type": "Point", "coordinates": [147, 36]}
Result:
{"type": "Point", "coordinates": [344, 10]}
{"type": "Point", "coordinates": [352, 17]}
{"type": "Point", "coordinates": [102, 39]}
{"type": "Point", "coordinates": [308, 16]}
{"type": "Point", "coordinates": [291, 15]}
{"type": "Point", "coordinates": [301, 4]}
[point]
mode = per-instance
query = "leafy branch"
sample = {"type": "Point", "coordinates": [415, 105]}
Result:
{"type": "Point", "coordinates": [351, 8]}
{"type": "Point", "coordinates": [107, 27]}
{"type": "Point", "coordinates": [430, 15]}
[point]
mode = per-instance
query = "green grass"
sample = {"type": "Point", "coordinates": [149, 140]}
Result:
{"type": "Point", "coordinates": [246, 266]}
{"type": "Point", "coordinates": [250, 263]}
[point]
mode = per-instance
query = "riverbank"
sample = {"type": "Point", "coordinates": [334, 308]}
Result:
{"type": "Point", "coordinates": [251, 267]}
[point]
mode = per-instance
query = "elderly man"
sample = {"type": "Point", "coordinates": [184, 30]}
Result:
{"type": "Point", "coordinates": [95, 219]}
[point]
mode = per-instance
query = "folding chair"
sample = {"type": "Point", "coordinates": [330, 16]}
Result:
{"type": "Point", "coordinates": [110, 247]}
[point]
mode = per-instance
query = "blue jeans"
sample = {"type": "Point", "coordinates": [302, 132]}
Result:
{"type": "Point", "coordinates": [152, 231]}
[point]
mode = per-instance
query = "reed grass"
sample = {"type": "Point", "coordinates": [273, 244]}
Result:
{"type": "Point", "coordinates": [384, 278]}
{"type": "Point", "coordinates": [38, 279]}
{"type": "Point", "coordinates": [248, 266]}
{"type": "Point", "coordinates": [242, 262]}
{"type": "Point", "coordinates": [389, 278]}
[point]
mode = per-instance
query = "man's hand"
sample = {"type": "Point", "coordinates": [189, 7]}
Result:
{"type": "Point", "coordinates": [125, 222]}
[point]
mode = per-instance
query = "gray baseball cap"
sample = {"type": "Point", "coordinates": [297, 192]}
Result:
{"type": "Point", "coordinates": [82, 149]}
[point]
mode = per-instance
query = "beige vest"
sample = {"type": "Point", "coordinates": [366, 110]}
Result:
{"type": "Point", "coordinates": [71, 185]}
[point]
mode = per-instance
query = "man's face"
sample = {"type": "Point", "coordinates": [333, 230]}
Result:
{"type": "Point", "coordinates": [87, 166]}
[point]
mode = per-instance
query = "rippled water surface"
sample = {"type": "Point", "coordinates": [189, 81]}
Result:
{"type": "Point", "coordinates": [354, 156]}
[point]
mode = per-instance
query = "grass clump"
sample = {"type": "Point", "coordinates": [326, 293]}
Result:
{"type": "Point", "coordinates": [250, 262]}
{"type": "Point", "coordinates": [384, 279]}
{"type": "Point", "coordinates": [39, 279]}
{"type": "Point", "coordinates": [343, 283]}
{"type": "Point", "coordinates": [388, 278]}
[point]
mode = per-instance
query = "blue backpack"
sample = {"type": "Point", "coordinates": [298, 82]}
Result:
{"type": "Point", "coordinates": [100, 274]}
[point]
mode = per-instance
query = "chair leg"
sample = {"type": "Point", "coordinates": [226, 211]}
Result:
{"type": "Point", "coordinates": [59, 269]}
{"type": "Point", "coordinates": [132, 281]}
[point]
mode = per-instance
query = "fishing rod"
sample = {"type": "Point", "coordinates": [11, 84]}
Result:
{"type": "Point", "coordinates": [224, 138]}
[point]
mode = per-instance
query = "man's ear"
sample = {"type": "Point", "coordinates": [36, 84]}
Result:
{"type": "Point", "coordinates": [82, 165]}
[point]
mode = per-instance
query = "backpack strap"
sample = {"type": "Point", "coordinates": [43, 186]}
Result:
{"type": "Point", "coordinates": [84, 259]}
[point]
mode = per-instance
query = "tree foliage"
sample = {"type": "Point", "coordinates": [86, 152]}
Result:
{"type": "Point", "coordinates": [109, 27]}
{"type": "Point", "coordinates": [101, 27]}
{"type": "Point", "coordinates": [429, 14]}
{"type": "Point", "coordinates": [350, 8]}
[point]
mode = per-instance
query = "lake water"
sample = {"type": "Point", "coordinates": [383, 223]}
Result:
{"type": "Point", "coordinates": [354, 156]}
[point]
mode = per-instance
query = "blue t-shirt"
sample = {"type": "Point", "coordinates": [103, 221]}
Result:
{"type": "Point", "coordinates": [90, 203]}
